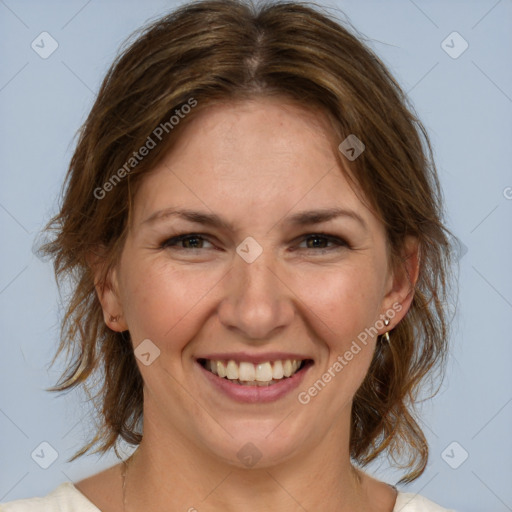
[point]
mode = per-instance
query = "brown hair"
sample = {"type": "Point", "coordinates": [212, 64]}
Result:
{"type": "Point", "coordinates": [222, 50]}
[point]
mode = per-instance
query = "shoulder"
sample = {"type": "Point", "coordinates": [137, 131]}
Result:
{"type": "Point", "coordinates": [409, 502]}
{"type": "Point", "coordinates": [65, 498]}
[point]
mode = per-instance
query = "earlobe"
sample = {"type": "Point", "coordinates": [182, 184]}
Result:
{"type": "Point", "coordinates": [116, 323]}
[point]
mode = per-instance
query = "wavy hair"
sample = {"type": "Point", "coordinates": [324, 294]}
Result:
{"type": "Point", "coordinates": [226, 50]}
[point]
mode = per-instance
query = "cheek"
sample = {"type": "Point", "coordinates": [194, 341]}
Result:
{"type": "Point", "coordinates": [343, 300]}
{"type": "Point", "coordinates": [343, 305]}
{"type": "Point", "coordinates": [162, 302]}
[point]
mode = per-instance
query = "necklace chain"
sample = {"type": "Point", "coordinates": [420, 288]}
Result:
{"type": "Point", "coordinates": [125, 467]}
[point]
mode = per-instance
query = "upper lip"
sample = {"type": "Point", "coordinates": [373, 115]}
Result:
{"type": "Point", "coordinates": [255, 358]}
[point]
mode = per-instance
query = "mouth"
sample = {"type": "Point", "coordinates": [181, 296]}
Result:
{"type": "Point", "coordinates": [263, 374]}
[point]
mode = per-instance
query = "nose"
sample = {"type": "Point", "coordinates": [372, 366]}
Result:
{"type": "Point", "coordinates": [257, 302]}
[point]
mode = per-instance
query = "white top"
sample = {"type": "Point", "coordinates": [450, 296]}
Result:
{"type": "Point", "coordinates": [67, 498]}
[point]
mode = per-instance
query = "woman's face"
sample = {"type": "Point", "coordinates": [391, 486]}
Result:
{"type": "Point", "coordinates": [253, 285]}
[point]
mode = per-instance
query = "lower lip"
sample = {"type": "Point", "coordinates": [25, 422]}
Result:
{"type": "Point", "coordinates": [255, 394]}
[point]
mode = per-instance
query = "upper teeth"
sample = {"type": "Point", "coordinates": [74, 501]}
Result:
{"type": "Point", "coordinates": [245, 371]}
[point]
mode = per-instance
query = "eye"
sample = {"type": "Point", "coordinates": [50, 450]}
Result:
{"type": "Point", "coordinates": [319, 241]}
{"type": "Point", "coordinates": [194, 241]}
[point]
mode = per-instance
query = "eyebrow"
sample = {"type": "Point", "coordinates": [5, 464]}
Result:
{"type": "Point", "coordinates": [305, 218]}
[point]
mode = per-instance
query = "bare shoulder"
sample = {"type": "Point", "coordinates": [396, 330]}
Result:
{"type": "Point", "coordinates": [381, 496]}
{"type": "Point", "coordinates": [104, 489]}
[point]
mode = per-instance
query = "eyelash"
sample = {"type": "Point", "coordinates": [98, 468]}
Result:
{"type": "Point", "coordinates": [171, 242]}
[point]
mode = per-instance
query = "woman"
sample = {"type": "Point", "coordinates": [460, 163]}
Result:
{"type": "Point", "coordinates": [253, 221]}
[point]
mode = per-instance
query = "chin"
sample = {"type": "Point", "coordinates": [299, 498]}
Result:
{"type": "Point", "coordinates": [258, 444]}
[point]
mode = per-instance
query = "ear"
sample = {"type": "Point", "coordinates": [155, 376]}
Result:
{"type": "Point", "coordinates": [401, 283]}
{"type": "Point", "coordinates": [106, 284]}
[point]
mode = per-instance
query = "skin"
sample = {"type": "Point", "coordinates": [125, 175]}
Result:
{"type": "Point", "coordinates": [254, 163]}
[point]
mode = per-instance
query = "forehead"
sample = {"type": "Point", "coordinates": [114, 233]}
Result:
{"type": "Point", "coordinates": [258, 158]}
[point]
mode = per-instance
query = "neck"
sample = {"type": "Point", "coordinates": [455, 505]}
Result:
{"type": "Point", "coordinates": [179, 476]}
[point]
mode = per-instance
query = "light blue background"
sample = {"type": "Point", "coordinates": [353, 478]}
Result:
{"type": "Point", "coordinates": [465, 103]}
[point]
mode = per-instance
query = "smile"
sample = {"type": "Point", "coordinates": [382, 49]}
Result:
{"type": "Point", "coordinates": [245, 373]}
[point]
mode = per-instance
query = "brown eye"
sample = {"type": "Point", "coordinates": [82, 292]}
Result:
{"type": "Point", "coordinates": [187, 241]}
{"type": "Point", "coordinates": [320, 241]}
